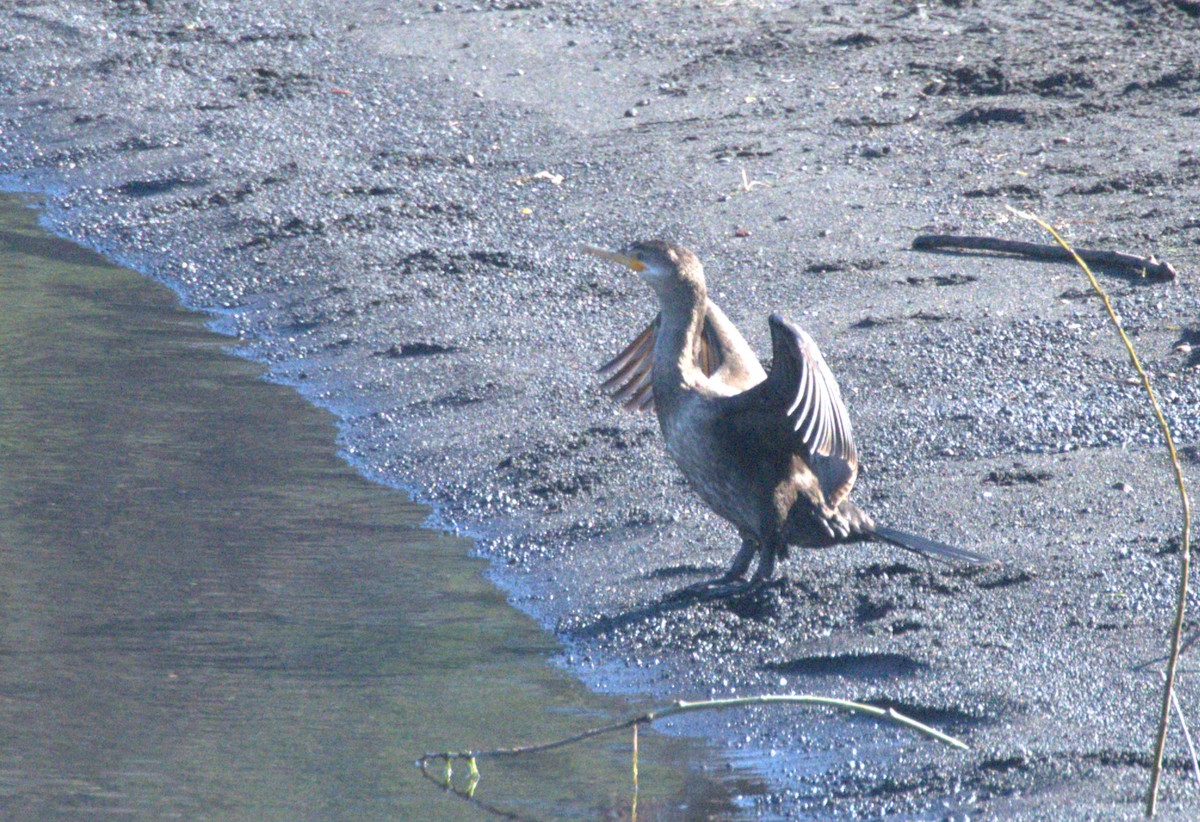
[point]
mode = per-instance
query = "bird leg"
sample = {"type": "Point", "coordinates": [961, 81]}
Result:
{"type": "Point", "coordinates": [741, 560]}
{"type": "Point", "coordinates": [733, 582]}
{"type": "Point", "coordinates": [766, 566]}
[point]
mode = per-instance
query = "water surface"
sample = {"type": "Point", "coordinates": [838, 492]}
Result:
{"type": "Point", "coordinates": [204, 613]}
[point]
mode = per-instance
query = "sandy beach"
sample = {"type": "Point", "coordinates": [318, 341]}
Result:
{"type": "Point", "coordinates": [385, 202]}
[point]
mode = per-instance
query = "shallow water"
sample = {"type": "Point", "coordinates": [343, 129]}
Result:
{"type": "Point", "coordinates": [204, 613]}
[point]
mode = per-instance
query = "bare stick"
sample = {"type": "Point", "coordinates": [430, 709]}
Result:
{"type": "Point", "coordinates": [633, 806]}
{"type": "Point", "coordinates": [1187, 736]}
{"type": "Point", "coordinates": [467, 794]}
{"type": "Point", "coordinates": [1185, 551]}
{"type": "Point", "coordinates": [682, 707]}
{"type": "Point", "coordinates": [1146, 266]}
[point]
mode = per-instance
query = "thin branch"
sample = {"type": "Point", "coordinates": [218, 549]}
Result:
{"type": "Point", "coordinates": [633, 805]}
{"type": "Point", "coordinates": [682, 707]}
{"type": "Point", "coordinates": [1184, 553]}
{"type": "Point", "coordinates": [1187, 736]}
{"type": "Point", "coordinates": [1146, 266]}
{"type": "Point", "coordinates": [749, 185]}
{"type": "Point", "coordinates": [444, 782]}
{"type": "Point", "coordinates": [445, 779]}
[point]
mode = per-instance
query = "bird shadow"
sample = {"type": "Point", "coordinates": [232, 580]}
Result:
{"type": "Point", "coordinates": [753, 603]}
{"type": "Point", "coordinates": [681, 570]}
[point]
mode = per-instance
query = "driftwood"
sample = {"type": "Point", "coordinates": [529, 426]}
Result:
{"type": "Point", "coordinates": [1146, 266]}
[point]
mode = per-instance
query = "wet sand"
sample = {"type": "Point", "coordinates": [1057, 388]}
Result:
{"type": "Point", "coordinates": [354, 191]}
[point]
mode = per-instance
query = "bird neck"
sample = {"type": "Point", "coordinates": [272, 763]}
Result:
{"type": "Point", "coordinates": [677, 348]}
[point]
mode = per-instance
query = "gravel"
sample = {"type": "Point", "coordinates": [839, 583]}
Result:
{"type": "Point", "coordinates": [354, 191]}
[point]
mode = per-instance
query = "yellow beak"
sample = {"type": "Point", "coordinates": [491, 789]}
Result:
{"type": "Point", "coordinates": [630, 262]}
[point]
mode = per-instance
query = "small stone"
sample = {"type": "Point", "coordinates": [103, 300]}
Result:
{"type": "Point", "coordinates": [1123, 487]}
{"type": "Point", "coordinates": [631, 112]}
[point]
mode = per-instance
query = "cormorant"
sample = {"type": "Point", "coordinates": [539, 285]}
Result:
{"type": "Point", "coordinates": [772, 453]}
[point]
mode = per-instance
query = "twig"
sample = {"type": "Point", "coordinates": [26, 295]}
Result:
{"type": "Point", "coordinates": [1146, 266]}
{"type": "Point", "coordinates": [1185, 551]}
{"type": "Point", "coordinates": [633, 805]}
{"type": "Point", "coordinates": [1187, 736]}
{"type": "Point", "coordinates": [682, 707]}
{"type": "Point", "coordinates": [749, 185]}
{"type": "Point", "coordinates": [468, 794]}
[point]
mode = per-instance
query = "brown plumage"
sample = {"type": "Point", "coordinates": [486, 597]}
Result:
{"type": "Point", "coordinates": [772, 453]}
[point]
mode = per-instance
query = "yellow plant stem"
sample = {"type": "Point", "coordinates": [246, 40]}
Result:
{"type": "Point", "coordinates": [633, 806]}
{"type": "Point", "coordinates": [1184, 552]}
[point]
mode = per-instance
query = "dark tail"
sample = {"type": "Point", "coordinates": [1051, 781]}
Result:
{"type": "Point", "coordinates": [927, 547]}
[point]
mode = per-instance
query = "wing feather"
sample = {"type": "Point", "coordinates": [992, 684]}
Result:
{"type": "Point", "coordinates": [800, 399]}
{"type": "Point", "coordinates": [631, 360]}
{"type": "Point", "coordinates": [642, 400]}
{"type": "Point", "coordinates": [630, 374]}
{"type": "Point", "coordinates": [818, 414]}
{"type": "Point", "coordinates": [640, 378]}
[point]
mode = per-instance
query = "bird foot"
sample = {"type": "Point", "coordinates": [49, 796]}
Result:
{"type": "Point", "coordinates": [719, 588]}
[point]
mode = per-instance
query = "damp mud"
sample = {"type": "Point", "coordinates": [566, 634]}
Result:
{"type": "Point", "coordinates": [384, 204]}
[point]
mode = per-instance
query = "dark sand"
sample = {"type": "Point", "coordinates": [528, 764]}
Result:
{"type": "Point", "coordinates": [349, 186]}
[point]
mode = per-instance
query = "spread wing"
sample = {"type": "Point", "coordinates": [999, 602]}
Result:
{"type": "Point", "coordinates": [630, 374]}
{"type": "Point", "coordinates": [801, 400]}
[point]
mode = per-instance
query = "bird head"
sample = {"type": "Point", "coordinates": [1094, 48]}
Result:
{"type": "Point", "coordinates": [664, 266]}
